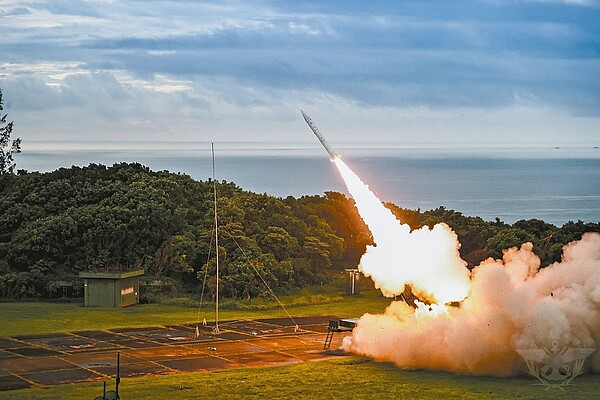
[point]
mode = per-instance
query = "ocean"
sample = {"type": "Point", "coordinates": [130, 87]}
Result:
{"type": "Point", "coordinates": [553, 184]}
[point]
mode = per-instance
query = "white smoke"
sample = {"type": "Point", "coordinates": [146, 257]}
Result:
{"type": "Point", "coordinates": [427, 259]}
{"type": "Point", "coordinates": [512, 304]}
{"type": "Point", "coordinates": [508, 304]}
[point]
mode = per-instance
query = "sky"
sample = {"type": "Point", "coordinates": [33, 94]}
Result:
{"type": "Point", "coordinates": [392, 73]}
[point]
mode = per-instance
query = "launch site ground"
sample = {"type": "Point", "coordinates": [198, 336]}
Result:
{"type": "Point", "coordinates": [54, 359]}
{"type": "Point", "coordinates": [257, 359]}
{"type": "Point", "coordinates": [262, 358]}
{"type": "Point", "coordinates": [43, 346]}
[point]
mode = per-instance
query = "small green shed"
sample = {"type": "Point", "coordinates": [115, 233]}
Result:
{"type": "Point", "coordinates": [111, 289]}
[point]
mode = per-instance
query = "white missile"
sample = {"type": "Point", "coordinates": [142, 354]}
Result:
{"type": "Point", "coordinates": [319, 135]}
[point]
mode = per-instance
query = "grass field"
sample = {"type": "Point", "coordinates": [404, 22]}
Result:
{"type": "Point", "coordinates": [35, 318]}
{"type": "Point", "coordinates": [343, 378]}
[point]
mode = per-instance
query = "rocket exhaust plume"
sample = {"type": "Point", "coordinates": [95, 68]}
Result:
{"type": "Point", "coordinates": [505, 305]}
{"type": "Point", "coordinates": [512, 305]}
{"type": "Point", "coordinates": [426, 259]}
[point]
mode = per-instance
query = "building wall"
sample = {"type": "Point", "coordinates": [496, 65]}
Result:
{"type": "Point", "coordinates": [100, 293]}
{"type": "Point", "coordinates": [110, 289]}
{"type": "Point", "coordinates": [128, 291]}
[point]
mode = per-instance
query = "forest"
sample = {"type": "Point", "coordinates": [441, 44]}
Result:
{"type": "Point", "coordinates": [122, 217]}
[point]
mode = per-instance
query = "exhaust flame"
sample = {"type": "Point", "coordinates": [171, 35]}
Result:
{"type": "Point", "coordinates": [427, 259]}
{"type": "Point", "coordinates": [507, 304]}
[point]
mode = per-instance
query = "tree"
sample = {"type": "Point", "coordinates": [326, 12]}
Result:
{"type": "Point", "coordinates": [7, 149]}
{"type": "Point", "coordinates": [173, 255]}
{"type": "Point", "coordinates": [506, 238]}
{"type": "Point", "coordinates": [279, 242]}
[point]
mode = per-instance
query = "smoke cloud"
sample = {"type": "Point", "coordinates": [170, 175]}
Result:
{"type": "Point", "coordinates": [507, 304]}
{"type": "Point", "coordinates": [427, 259]}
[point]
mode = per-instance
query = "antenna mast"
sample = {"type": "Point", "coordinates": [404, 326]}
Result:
{"type": "Point", "coordinates": [216, 329]}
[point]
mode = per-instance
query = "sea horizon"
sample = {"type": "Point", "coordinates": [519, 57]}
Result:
{"type": "Point", "coordinates": [555, 184]}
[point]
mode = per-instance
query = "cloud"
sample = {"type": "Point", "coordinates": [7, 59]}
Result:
{"type": "Point", "coordinates": [15, 11]}
{"type": "Point", "coordinates": [269, 55]}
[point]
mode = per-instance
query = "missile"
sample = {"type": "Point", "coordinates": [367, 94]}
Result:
{"type": "Point", "coordinates": [319, 135]}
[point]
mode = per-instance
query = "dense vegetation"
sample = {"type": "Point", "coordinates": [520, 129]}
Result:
{"type": "Point", "coordinates": [8, 147]}
{"type": "Point", "coordinates": [54, 225]}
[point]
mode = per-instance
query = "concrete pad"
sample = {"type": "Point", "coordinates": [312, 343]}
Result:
{"type": "Point", "coordinates": [229, 335]}
{"type": "Point", "coordinates": [287, 331]}
{"type": "Point", "coordinates": [179, 336]}
{"type": "Point", "coordinates": [308, 355]}
{"type": "Point", "coordinates": [35, 352]}
{"type": "Point", "coordinates": [209, 327]}
{"type": "Point", "coordinates": [288, 343]}
{"type": "Point", "coordinates": [263, 329]}
{"type": "Point", "coordinates": [7, 354]}
{"type": "Point", "coordinates": [132, 370]}
{"type": "Point", "coordinates": [135, 329]}
{"type": "Point", "coordinates": [164, 335]}
{"type": "Point", "coordinates": [264, 359]}
{"type": "Point", "coordinates": [207, 338]}
{"type": "Point", "coordinates": [99, 335]}
{"type": "Point", "coordinates": [62, 376]}
{"type": "Point", "coordinates": [8, 343]}
{"type": "Point", "coordinates": [336, 341]}
{"type": "Point", "coordinates": [299, 320]}
{"type": "Point", "coordinates": [197, 363]}
{"type": "Point", "coordinates": [52, 359]}
{"type": "Point", "coordinates": [186, 327]}
{"type": "Point", "coordinates": [36, 364]}
{"type": "Point", "coordinates": [133, 343]}
{"type": "Point", "coordinates": [166, 352]}
{"type": "Point", "coordinates": [320, 328]}
{"type": "Point", "coordinates": [93, 346]}
{"type": "Point", "coordinates": [11, 382]}
{"type": "Point", "coordinates": [253, 328]}
{"type": "Point", "coordinates": [69, 343]}
{"type": "Point", "coordinates": [27, 338]}
{"type": "Point", "coordinates": [100, 359]}
{"type": "Point", "coordinates": [235, 347]}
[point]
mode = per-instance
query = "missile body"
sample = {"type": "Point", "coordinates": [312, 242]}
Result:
{"type": "Point", "coordinates": [319, 135]}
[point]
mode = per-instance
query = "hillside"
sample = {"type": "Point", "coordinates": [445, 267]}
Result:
{"type": "Point", "coordinates": [54, 225]}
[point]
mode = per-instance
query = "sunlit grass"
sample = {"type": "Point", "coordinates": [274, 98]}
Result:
{"type": "Point", "coordinates": [34, 318]}
{"type": "Point", "coordinates": [343, 378]}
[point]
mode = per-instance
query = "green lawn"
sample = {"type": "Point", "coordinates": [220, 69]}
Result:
{"type": "Point", "coordinates": [343, 378]}
{"type": "Point", "coordinates": [34, 318]}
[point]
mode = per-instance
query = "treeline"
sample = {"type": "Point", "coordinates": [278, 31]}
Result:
{"type": "Point", "coordinates": [54, 225]}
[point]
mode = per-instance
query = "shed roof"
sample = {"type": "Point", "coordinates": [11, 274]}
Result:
{"type": "Point", "coordinates": [111, 275]}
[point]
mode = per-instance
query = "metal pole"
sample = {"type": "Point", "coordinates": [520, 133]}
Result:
{"type": "Point", "coordinates": [216, 330]}
{"type": "Point", "coordinates": [118, 380]}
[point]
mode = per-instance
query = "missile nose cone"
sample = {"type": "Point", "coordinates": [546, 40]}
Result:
{"type": "Point", "coordinates": [319, 135]}
{"type": "Point", "coordinates": [304, 115]}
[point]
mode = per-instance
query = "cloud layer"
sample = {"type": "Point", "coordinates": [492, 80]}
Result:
{"type": "Point", "coordinates": [480, 71]}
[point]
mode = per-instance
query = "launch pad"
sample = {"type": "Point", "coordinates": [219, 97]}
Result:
{"type": "Point", "coordinates": [60, 358]}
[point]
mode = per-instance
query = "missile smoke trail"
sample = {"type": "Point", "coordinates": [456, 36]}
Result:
{"type": "Point", "coordinates": [427, 259]}
{"type": "Point", "coordinates": [507, 306]}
